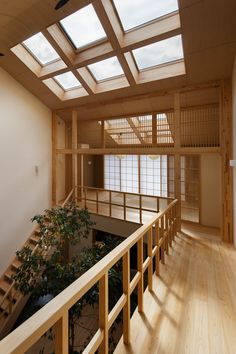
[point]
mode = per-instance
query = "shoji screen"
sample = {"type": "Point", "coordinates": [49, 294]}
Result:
{"type": "Point", "coordinates": [153, 175]}
{"type": "Point", "coordinates": [129, 173]}
{"type": "Point", "coordinates": [112, 172]}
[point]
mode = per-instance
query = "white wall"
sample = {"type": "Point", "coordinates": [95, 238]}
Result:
{"type": "Point", "coordinates": [25, 141]}
{"type": "Point", "coordinates": [210, 189]}
{"type": "Point", "coordinates": [234, 148]}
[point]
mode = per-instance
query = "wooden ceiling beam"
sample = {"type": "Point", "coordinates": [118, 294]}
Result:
{"type": "Point", "coordinates": [110, 22]}
{"type": "Point", "coordinates": [135, 130]}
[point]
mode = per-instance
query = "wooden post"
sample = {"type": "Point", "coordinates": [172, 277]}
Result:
{"type": "Point", "coordinates": [126, 291]}
{"type": "Point", "coordinates": [226, 156]}
{"type": "Point", "coordinates": [103, 313]}
{"type": "Point", "coordinates": [103, 141]}
{"type": "Point", "coordinates": [54, 158]}
{"type": "Point", "coordinates": [110, 203]}
{"type": "Point", "coordinates": [124, 206]}
{"type": "Point", "coordinates": [166, 233]}
{"type": "Point", "coordinates": [154, 129]}
{"type": "Point", "coordinates": [82, 172]}
{"type": "Point", "coordinates": [177, 145]}
{"type": "Point", "coordinates": [163, 241]}
{"type": "Point", "coordinates": [74, 156]}
{"type": "Point", "coordinates": [140, 270]}
{"type": "Point", "coordinates": [140, 209]}
{"type": "Point", "coordinates": [157, 256]}
{"type": "Point", "coordinates": [62, 335]}
{"type": "Point", "coordinates": [150, 266]}
{"type": "Point", "coordinates": [97, 201]}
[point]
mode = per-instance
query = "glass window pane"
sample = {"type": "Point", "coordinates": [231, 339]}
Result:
{"type": "Point", "coordinates": [137, 12]}
{"type": "Point", "coordinates": [67, 80]}
{"type": "Point", "coordinates": [162, 52]}
{"type": "Point", "coordinates": [106, 69]}
{"type": "Point", "coordinates": [83, 27]}
{"type": "Point", "coordinates": [41, 49]}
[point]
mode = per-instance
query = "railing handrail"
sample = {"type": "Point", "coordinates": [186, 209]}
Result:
{"type": "Point", "coordinates": [122, 192]}
{"type": "Point", "coordinates": [25, 335]}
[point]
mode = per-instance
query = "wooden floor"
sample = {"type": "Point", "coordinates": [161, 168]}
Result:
{"type": "Point", "coordinates": [193, 306]}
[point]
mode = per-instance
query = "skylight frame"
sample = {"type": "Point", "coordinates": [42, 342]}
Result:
{"type": "Point", "coordinates": [110, 77]}
{"type": "Point", "coordinates": [145, 23]}
{"type": "Point", "coordinates": [29, 50]}
{"type": "Point", "coordinates": [86, 45]}
{"type": "Point", "coordinates": [161, 64]}
{"type": "Point", "coordinates": [70, 88]}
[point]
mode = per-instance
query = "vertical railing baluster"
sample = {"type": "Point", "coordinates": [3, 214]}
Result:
{"type": "Point", "coordinates": [157, 257]}
{"type": "Point", "coordinates": [150, 266]}
{"type": "Point", "coordinates": [62, 335]}
{"type": "Point", "coordinates": [140, 270]}
{"type": "Point", "coordinates": [163, 241]}
{"type": "Point", "coordinates": [126, 291]}
{"type": "Point", "coordinates": [109, 203]}
{"type": "Point", "coordinates": [103, 312]}
{"type": "Point", "coordinates": [124, 201]}
{"type": "Point", "coordinates": [140, 209]}
{"type": "Point", "coordinates": [166, 234]}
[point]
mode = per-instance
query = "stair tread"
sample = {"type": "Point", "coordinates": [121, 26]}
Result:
{"type": "Point", "coordinates": [16, 263]}
{"type": "Point", "coordinates": [4, 285]}
{"type": "Point", "coordinates": [8, 274]}
{"type": "Point", "coordinates": [34, 239]}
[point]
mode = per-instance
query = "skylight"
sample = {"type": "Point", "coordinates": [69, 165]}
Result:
{"type": "Point", "coordinates": [162, 52]}
{"type": "Point", "coordinates": [133, 13]}
{"type": "Point", "coordinates": [67, 81]}
{"type": "Point", "coordinates": [41, 49]}
{"type": "Point", "coordinates": [83, 27]}
{"type": "Point", "coordinates": [106, 69]}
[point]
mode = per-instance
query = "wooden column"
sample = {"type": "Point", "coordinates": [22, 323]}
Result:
{"type": "Point", "coordinates": [103, 141]}
{"type": "Point", "coordinates": [226, 156]}
{"type": "Point", "coordinates": [140, 270]}
{"type": "Point", "coordinates": [54, 158]}
{"type": "Point", "coordinates": [177, 144]}
{"type": "Point", "coordinates": [74, 156]}
{"type": "Point", "coordinates": [154, 129]}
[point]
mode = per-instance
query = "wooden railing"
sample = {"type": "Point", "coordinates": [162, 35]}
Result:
{"type": "Point", "coordinates": [7, 304]}
{"type": "Point", "coordinates": [160, 231]}
{"type": "Point", "coordinates": [122, 205]}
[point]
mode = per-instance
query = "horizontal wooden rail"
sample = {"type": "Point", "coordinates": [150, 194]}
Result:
{"type": "Point", "coordinates": [55, 313]}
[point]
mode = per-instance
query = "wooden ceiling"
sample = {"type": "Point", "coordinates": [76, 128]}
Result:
{"type": "Point", "coordinates": [209, 40]}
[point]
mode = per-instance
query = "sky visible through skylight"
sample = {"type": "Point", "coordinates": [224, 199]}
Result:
{"type": "Point", "coordinates": [106, 69]}
{"type": "Point", "coordinates": [83, 27]}
{"type": "Point", "coordinates": [158, 53]}
{"type": "Point", "coordinates": [39, 46]}
{"type": "Point", "coordinates": [137, 12]}
{"type": "Point", "coordinates": [67, 80]}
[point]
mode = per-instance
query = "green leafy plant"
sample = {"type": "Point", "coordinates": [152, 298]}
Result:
{"type": "Point", "coordinates": [49, 269]}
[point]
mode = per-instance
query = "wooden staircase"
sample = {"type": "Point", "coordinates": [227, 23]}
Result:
{"type": "Point", "coordinates": [11, 299]}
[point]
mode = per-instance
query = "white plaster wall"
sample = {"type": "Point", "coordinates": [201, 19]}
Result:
{"type": "Point", "coordinates": [25, 141]}
{"type": "Point", "coordinates": [234, 148]}
{"type": "Point", "coordinates": [210, 190]}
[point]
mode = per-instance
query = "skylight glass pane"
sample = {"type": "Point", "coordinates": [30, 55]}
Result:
{"type": "Point", "coordinates": [83, 27]}
{"type": "Point", "coordinates": [39, 46]}
{"type": "Point", "coordinates": [106, 69]}
{"type": "Point", "coordinates": [158, 53]}
{"type": "Point", "coordinates": [67, 80]}
{"type": "Point", "coordinates": [137, 12]}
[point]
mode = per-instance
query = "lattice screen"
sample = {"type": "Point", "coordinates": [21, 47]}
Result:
{"type": "Point", "coordinates": [142, 130]}
{"type": "Point", "coordinates": [165, 128]}
{"type": "Point", "coordinates": [200, 126]}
